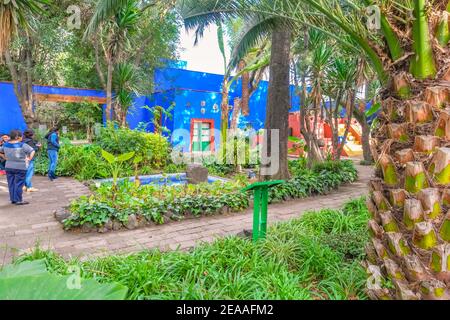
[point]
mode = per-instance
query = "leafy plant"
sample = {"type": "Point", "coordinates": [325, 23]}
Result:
{"type": "Point", "coordinates": [30, 280]}
{"type": "Point", "coordinates": [152, 147]}
{"type": "Point", "coordinates": [115, 162]}
{"type": "Point", "coordinates": [157, 203]}
{"type": "Point", "coordinates": [300, 259]}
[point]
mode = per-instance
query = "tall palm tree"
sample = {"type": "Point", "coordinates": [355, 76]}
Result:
{"type": "Point", "coordinates": [115, 34]}
{"type": "Point", "coordinates": [409, 199]}
{"type": "Point", "coordinates": [127, 83]}
{"type": "Point", "coordinates": [199, 15]}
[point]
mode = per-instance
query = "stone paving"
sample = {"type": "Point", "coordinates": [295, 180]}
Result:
{"type": "Point", "coordinates": [24, 227]}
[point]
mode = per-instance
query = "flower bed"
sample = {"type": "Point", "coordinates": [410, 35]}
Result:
{"type": "Point", "coordinates": [131, 206]}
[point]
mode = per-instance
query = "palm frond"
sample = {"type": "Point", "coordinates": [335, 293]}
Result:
{"type": "Point", "coordinates": [103, 11]}
{"type": "Point", "coordinates": [15, 15]}
{"type": "Point", "coordinates": [256, 30]}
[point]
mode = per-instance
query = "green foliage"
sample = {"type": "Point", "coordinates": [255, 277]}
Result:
{"type": "Point", "coordinates": [82, 162]}
{"type": "Point", "coordinates": [85, 162]}
{"type": "Point", "coordinates": [218, 169]}
{"type": "Point", "coordinates": [296, 261]}
{"type": "Point", "coordinates": [116, 163]}
{"type": "Point", "coordinates": [321, 179]}
{"type": "Point", "coordinates": [298, 166]}
{"type": "Point", "coordinates": [152, 147]}
{"type": "Point", "coordinates": [30, 280]}
{"type": "Point", "coordinates": [153, 202]}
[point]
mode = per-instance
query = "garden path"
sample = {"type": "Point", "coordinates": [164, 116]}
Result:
{"type": "Point", "coordinates": [22, 227]}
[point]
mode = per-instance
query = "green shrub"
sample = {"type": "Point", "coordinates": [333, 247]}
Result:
{"type": "Point", "coordinates": [321, 179]}
{"type": "Point", "coordinates": [85, 162]}
{"type": "Point", "coordinates": [298, 166]}
{"type": "Point", "coordinates": [152, 147]}
{"type": "Point", "coordinates": [298, 260]}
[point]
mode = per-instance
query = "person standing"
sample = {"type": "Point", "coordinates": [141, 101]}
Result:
{"type": "Point", "coordinates": [3, 138]}
{"type": "Point", "coordinates": [29, 140]}
{"type": "Point", "coordinates": [18, 155]}
{"type": "Point", "coordinates": [52, 150]}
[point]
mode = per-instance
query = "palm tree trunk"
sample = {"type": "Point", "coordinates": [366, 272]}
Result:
{"type": "Point", "coordinates": [21, 76]}
{"type": "Point", "coordinates": [224, 119]}
{"type": "Point", "coordinates": [278, 104]}
{"type": "Point", "coordinates": [245, 90]}
{"type": "Point", "coordinates": [109, 79]}
{"type": "Point", "coordinates": [365, 133]}
{"type": "Point", "coordinates": [410, 198]}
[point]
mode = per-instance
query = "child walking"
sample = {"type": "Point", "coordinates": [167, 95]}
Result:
{"type": "Point", "coordinates": [18, 155]}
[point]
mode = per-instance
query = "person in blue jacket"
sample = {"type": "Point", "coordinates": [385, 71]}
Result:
{"type": "Point", "coordinates": [18, 156]}
{"type": "Point", "coordinates": [52, 150]}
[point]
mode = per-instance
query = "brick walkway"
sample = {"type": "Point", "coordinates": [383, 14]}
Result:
{"type": "Point", "coordinates": [22, 227]}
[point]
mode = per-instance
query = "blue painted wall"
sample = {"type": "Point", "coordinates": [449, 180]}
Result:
{"type": "Point", "coordinates": [10, 113]}
{"type": "Point", "coordinates": [197, 95]}
{"type": "Point", "coordinates": [189, 91]}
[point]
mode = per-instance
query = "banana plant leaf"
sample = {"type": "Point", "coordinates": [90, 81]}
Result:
{"type": "Point", "coordinates": [31, 281]}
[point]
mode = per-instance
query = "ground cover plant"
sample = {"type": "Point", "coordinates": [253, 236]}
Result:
{"type": "Point", "coordinates": [130, 205]}
{"type": "Point", "coordinates": [305, 258]}
{"type": "Point", "coordinates": [321, 178]}
{"type": "Point", "coordinates": [154, 204]}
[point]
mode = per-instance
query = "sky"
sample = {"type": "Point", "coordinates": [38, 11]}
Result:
{"type": "Point", "coordinates": [206, 56]}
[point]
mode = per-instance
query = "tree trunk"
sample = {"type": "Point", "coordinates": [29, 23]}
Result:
{"type": "Point", "coordinates": [109, 79]}
{"type": "Point", "coordinates": [235, 114]}
{"type": "Point", "coordinates": [21, 76]}
{"type": "Point", "coordinates": [349, 107]}
{"type": "Point", "coordinates": [278, 104]}
{"type": "Point", "coordinates": [224, 108]}
{"type": "Point", "coordinates": [245, 90]}
{"type": "Point", "coordinates": [409, 200]}
{"type": "Point", "coordinates": [360, 116]}
{"type": "Point", "coordinates": [365, 140]}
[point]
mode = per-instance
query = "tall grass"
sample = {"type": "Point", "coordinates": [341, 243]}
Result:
{"type": "Point", "coordinates": [316, 256]}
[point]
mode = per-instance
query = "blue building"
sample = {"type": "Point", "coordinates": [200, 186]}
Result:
{"type": "Point", "coordinates": [193, 97]}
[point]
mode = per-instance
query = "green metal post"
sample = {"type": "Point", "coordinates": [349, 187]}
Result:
{"type": "Point", "coordinates": [256, 213]}
{"type": "Point", "coordinates": [263, 222]}
{"type": "Point", "coordinates": [261, 197]}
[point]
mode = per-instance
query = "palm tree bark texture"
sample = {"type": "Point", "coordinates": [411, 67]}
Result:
{"type": "Point", "coordinates": [409, 199]}
{"type": "Point", "coordinates": [278, 103]}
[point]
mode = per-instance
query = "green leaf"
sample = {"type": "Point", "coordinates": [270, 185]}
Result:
{"type": "Point", "coordinates": [26, 268]}
{"type": "Point", "coordinates": [31, 281]}
{"type": "Point", "coordinates": [53, 287]}
{"type": "Point", "coordinates": [294, 139]}
{"type": "Point", "coordinates": [126, 156]}
{"type": "Point", "coordinates": [138, 159]}
{"type": "Point", "coordinates": [373, 109]}
{"type": "Point", "coordinates": [108, 156]}
{"type": "Point", "coordinates": [422, 63]}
